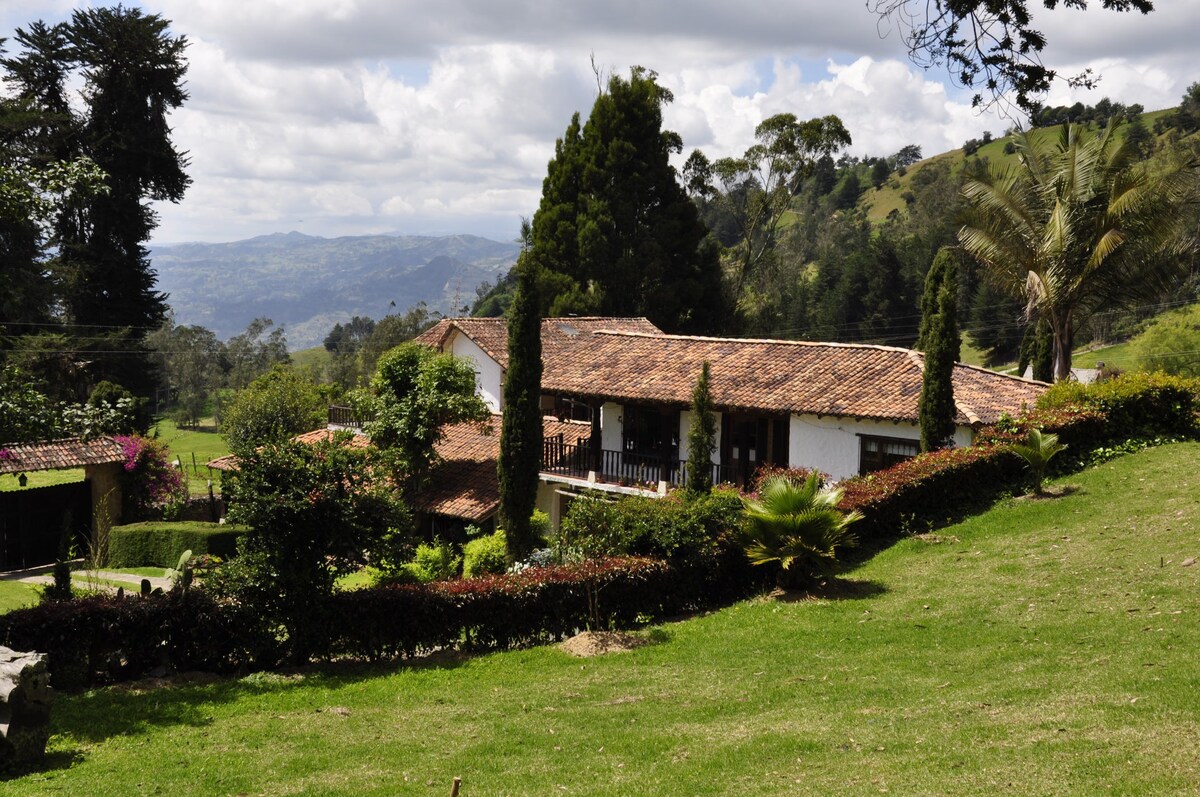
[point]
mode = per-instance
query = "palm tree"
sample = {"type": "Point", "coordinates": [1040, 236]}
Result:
{"type": "Point", "coordinates": [1037, 451]}
{"type": "Point", "coordinates": [798, 525]}
{"type": "Point", "coordinates": [1080, 224]}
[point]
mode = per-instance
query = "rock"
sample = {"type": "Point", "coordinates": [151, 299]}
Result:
{"type": "Point", "coordinates": [25, 699]}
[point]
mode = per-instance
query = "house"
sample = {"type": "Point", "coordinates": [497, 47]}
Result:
{"type": "Point", "coordinates": [625, 388]}
{"type": "Point", "coordinates": [616, 394]}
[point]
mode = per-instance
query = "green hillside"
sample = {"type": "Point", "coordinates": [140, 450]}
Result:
{"type": "Point", "coordinates": [880, 202]}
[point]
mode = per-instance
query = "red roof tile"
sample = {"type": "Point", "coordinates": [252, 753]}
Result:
{"type": "Point", "coordinates": [59, 454]}
{"type": "Point", "coordinates": [841, 379]}
{"type": "Point", "coordinates": [558, 334]}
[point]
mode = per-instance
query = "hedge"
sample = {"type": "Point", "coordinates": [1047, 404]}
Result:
{"type": "Point", "coordinates": [158, 543]}
{"type": "Point", "coordinates": [942, 485]}
{"type": "Point", "coordinates": [103, 639]}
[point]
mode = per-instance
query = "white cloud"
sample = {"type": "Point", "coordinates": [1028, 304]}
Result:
{"type": "Point", "coordinates": [347, 116]}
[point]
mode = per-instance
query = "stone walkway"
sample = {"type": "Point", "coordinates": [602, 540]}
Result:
{"type": "Point", "coordinates": [80, 578]}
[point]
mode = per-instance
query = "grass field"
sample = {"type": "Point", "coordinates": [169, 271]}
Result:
{"type": "Point", "coordinates": [44, 478]}
{"type": "Point", "coordinates": [198, 446]}
{"type": "Point", "coordinates": [1045, 647]}
{"type": "Point", "coordinates": [15, 595]}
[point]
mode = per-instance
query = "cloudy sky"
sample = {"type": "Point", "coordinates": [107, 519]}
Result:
{"type": "Point", "coordinates": [345, 117]}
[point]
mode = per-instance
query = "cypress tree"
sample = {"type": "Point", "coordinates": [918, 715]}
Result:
{"type": "Point", "coordinates": [942, 343]}
{"type": "Point", "coordinates": [521, 428]}
{"type": "Point", "coordinates": [702, 436]}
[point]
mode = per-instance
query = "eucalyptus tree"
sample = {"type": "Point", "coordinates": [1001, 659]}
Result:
{"type": "Point", "coordinates": [757, 189]}
{"type": "Point", "coordinates": [1079, 224]}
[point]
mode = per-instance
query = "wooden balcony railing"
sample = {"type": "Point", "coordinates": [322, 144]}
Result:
{"type": "Point", "coordinates": [578, 460]}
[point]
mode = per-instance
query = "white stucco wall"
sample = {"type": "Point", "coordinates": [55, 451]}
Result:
{"type": "Point", "coordinates": [685, 425]}
{"type": "Point", "coordinates": [832, 444]}
{"type": "Point", "coordinates": [610, 426]}
{"type": "Point", "coordinates": [490, 377]}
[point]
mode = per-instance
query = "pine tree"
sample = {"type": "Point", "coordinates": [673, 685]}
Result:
{"type": "Point", "coordinates": [942, 344]}
{"type": "Point", "coordinates": [521, 428]}
{"type": "Point", "coordinates": [615, 233]}
{"type": "Point", "coordinates": [702, 436]}
{"type": "Point", "coordinates": [133, 70]}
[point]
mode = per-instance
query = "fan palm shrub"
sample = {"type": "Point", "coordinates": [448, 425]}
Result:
{"type": "Point", "coordinates": [797, 525]}
{"type": "Point", "coordinates": [1037, 451]}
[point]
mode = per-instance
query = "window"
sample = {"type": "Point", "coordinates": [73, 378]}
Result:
{"type": "Point", "coordinates": [877, 453]}
{"type": "Point", "coordinates": [651, 432]}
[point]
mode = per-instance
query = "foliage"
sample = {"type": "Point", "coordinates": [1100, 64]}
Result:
{"type": "Point", "coordinates": [1080, 225]}
{"type": "Point", "coordinates": [150, 481]}
{"type": "Point", "coordinates": [990, 46]}
{"type": "Point", "coordinates": [159, 543]}
{"type": "Point", "coordinates": [27, 414]}
{"type": "Point", "coordinates": [1171, 343]}
{"type": "Point", "coordinates": [757, 188]}
{"type": "Point", "coordinates": [432, 561]}
{"type": "Point", "coordinates": [614, 233]}
{"type": "Point", "coordinates": [940, 341]}
{"type": "Point", "coordinates": [97, 640]}
{"type": "Point", "coordinates": [312, 510]}
{"type": "Point", "coordinates": [271, 409]}
{"type": "Point", "coordinates": [485, 555]}
{"type": "Point", "coordinates": [130, 74]}
{"type": "Point", "coordinates": [798, 526]}
{"type": "Point", "coordinates": [671, 528]}
{"type": "Point", "coordinates": [417, 392]}
{"type": "Point", "coordinates": [702, 435]}
{"type": "Point", "coordinates": [521, 429]}
{"type": "Point", "coordinates": [1037, 450]}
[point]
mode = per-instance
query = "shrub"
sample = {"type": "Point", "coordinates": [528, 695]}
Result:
{"type": "Point", "coordinates": [798, 526]}
{"type": "Point", "coordinates": [432, 561]}
{"type": "Point", "coordinates": [150, 482]}
{"type": "Point", "coordinates": [103, 639]}
{"type": "Point", "coordinates": [485, 555]}
{"type": "Point", "coordinates": [160, 543]}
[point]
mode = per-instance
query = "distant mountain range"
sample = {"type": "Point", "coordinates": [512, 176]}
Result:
{"type": "Point", "coordinates": [308, 284]}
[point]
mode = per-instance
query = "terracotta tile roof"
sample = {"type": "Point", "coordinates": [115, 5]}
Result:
{"type": "Point", "coordinates": [59, 454]}
{"type": "Point", "coordinates": [839, 379]}
{"type": "Point", "coordinates": [558, 334]}
{"type": "Point", "coordinates": [464, 484]}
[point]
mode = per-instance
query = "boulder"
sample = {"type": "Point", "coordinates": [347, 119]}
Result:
{"type": "Point", "coordinates": [25, 698]}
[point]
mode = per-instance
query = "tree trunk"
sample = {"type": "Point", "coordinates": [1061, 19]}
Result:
{"type": "Point", "coordinates": [1062, 350]}
{"type": "Point", "coordinates": [25, 698]}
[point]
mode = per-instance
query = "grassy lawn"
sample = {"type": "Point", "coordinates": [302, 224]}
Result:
{"type": "Point", "coordinates": [1045, 647]}
{"type": "Point", "coordinates": [1118, 355]}
{"type": "Point", "coordinates": [202, 443]}
{"type": "Point", "coordinates": [15, 595]}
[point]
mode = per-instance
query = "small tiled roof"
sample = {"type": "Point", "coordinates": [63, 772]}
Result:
{"type": "Point", "coordinates": [837, 379]}
{"type": "Point", "coordinates": [464, 483]}
{"type": "Point", "coordinates": [59, 454]}
{"type": "Point", "coordinates": [558, 334]}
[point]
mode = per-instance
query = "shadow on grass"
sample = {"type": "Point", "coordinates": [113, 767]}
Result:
{"type": "Point", "coordinates": [833, 589]}
{"type": "Point", "coordinates": [138, 707]}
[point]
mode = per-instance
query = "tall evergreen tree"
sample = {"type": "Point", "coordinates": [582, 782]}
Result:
{"type": "Point", "coordinates": [133, 71]}
{"type": "Point", "coordinates": [615, 233]}
{"type": "Point", "coordinates": [702, 435]}
{"type": "Point", "coordinates": [521, 427]}
{"type": "Point", "coordinates": [941, 345]}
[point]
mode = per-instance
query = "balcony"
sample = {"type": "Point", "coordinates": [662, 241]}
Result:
{"type": "Point", "coordinates": [579, 461]}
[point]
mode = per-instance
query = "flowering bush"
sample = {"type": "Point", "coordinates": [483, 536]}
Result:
{"type": "Point", "coordinates": [151, 483]}
{"type": "Point", "coordinates": [5, 455]}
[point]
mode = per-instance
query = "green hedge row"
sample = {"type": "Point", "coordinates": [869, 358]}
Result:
{"type": "Point", "coordinates": [104, 639]}
{"type": "Point", "coordinates": [940, 486]}
{"type": "Point", "coordinates": [159, 543]}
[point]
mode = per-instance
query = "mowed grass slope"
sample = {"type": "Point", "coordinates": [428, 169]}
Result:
{"type": "Point", "coordinates": [1045, 647]}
